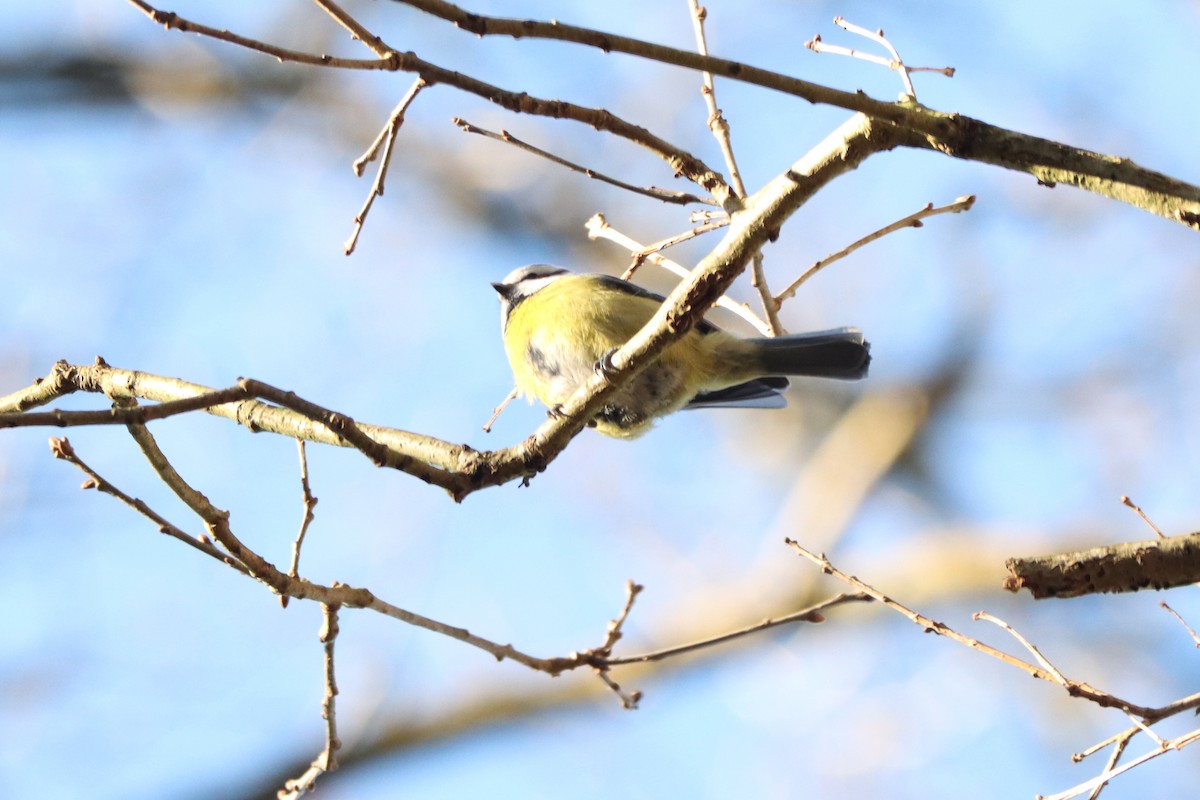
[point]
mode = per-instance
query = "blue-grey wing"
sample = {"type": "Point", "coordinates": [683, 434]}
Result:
{"type": "Point", "coordinates": [703, 326]}
{"type": "Point", "coordinates": [759, 393]}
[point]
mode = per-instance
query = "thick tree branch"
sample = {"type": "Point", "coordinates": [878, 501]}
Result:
{"type": "Point", "coordinates": [1127, 567]}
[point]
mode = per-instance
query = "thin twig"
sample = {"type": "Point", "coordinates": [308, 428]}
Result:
{"type": "Point", "coordinates": [254, 565]}
{"type": "Point", "coordinates": [512, 395]}
{"type": "Point", "coordinates": [1121, 739]}
{"type": "Point", "coordinates": [716, 118]}
{"type": "Point", "coordinates": [602, 654]}
{"type": "Point", "coordinates": [62, 449]}
{"type": "Point", "coordinates": [356, 28]}
{"type": "Point", "coordinates": [811, 614]}
{"type": "Point", "coordinates": [310, 504]}
{"type": "Point", "coordinates": [721, 131]}
{"type": "Point", "coordinates": [895, 62]}
{"type": "Point", "coordinates": [598, 228]}
{"type": "Point", "coordinates": [326, 760]}
{"type": "Point", "coordinates": [656, 192]}
{"type": "Point", "coordinates": [1188, 703]}
{"type": "Point", "coordinates": [682, 162]}
{"type": "Point", "coordinates": [671, 241]}
{"type": "Point", "coordinates": [1186, 627]}
{"type": "Point", "coordinates": [1178, 743]}
{"type": "Point", "coordinates": [126, 415]}
{"type": "Point", "coordinates": [758, 279]}
{"type": "Point", "coordinates": [1074, 688]}
{"type": "Point", "coordinates": [913, 220]}
{"type": "Point", "coordinates": [1145, 728]}
{"type": "Point", "coordinates": [1037, 654]}
{"type": "Point", "coordinates": [388, 135]}
{"type": "Point", "coordinates": [629, 700]}
{"type": "Point", "coordinates": [632, 590]}
{"type": "Point", "coordinates": [1113, 758]}
{"type": "Point", "coordinates": [1125, 499]}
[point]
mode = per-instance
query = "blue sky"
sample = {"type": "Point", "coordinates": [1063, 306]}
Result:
{"type": "Point", "coordinates": [205, 243]}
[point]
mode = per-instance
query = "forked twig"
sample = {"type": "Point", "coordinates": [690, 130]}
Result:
{"type": "Point", "coordinates": [602, 655]}
{"type": "Point", "coordinates": [62, 449]}
{"type": "Point", "coordinates": [1073, 687]}
{"type": "Point", "coordinates": [385, 141]}
{"type": "Point", "coordinates": [895, 62]}
{"type": "Point", "coordinates": [1178, 743]}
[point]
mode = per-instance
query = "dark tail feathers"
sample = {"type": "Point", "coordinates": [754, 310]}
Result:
{"type": "Point", "coordinates": [841, 353]}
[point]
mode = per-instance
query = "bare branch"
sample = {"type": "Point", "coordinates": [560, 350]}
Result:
{"type": "Point", "coordinates": [386, 137]}
{"type": "Point", "coordinates": [962, 137]}
{"type": "Point", "coordinates": [655, 192]}
{"type": "Point", "coordinates": [955, 135]}
{"type": "Point", "coordinates": [639, 256]}
{"type": "Point", "coordinates": [1037, 654]}
{"type": "Point", "coordinates": [62, 449]}
{"type": "Point", "coordinates": [1186, 627]}
{"type": "Point", "coordinates": [1127, 567]}
{"type": "Point", "coordinates": [310, 504]}
{"type": "Point", "coordinates": [1178, 743]}
{"type": "Point", "coordinates": [913, 220]}
{"type": "Point", "coordinates": [512, 395]}
{"type": "Point", "coordinates": [811, 614]}
{"type": "Point", "coordinates": [483, 25]}
{"type": "Point", "coordinates": [895, 62]}
{"type": "Point", "coordinates": [356, 28]}
{"type": "Point", "coordinates": [1125, 500]}
{"type": "Point", "coordinates": [1074, 688]}
{"type": "Point", "coordinates": [681, 162]}
{"type": "Point", "coordinates": [1113, 758]}
{"type": "Point", "coordinates": [758, 279]}
{"type": "Point", "coordinates": [326, 760]}
{"type": "Point", "coordinates": [716, 118]}
{"type": "Point", "coordinates": [602, 654]}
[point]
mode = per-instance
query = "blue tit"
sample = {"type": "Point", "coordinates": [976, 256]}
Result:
{"type": "Point", "coordinates": [559, 327]}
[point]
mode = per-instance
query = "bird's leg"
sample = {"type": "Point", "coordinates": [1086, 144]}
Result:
{"type": "Point", "coordinates": [604, 366]}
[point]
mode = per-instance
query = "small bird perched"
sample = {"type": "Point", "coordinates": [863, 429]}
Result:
{"type": "Point", "coordinates": [560, 327]}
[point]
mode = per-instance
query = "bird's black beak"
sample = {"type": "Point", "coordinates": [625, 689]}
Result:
{"type": "Point", "coordinates": [503, 289]}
